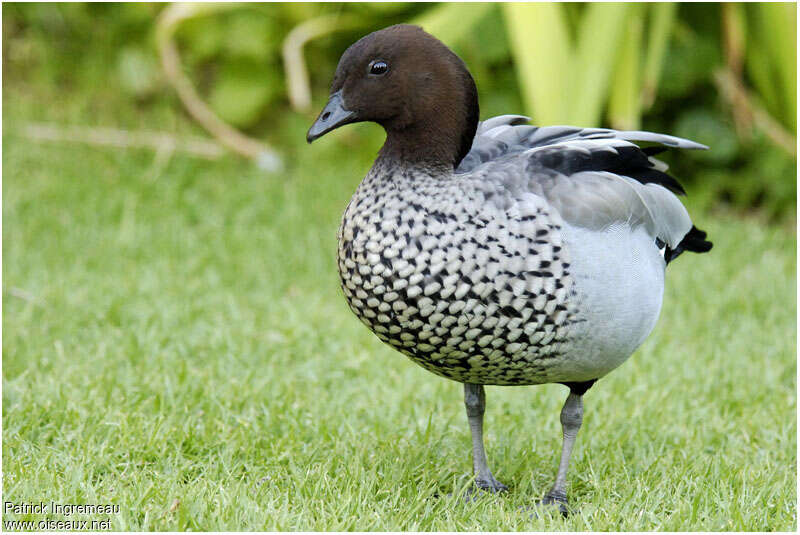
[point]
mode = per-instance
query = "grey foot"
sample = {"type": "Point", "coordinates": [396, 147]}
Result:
{"type": "Point", "coordinates": [481, 487]}
{"type": "Point", "coordinates": [491, 485]}
{"type": "Point", "coordinates": [556, 499]}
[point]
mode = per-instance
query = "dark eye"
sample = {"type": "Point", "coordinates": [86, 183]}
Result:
{"type": "Point", "coordinates": [378, 67]}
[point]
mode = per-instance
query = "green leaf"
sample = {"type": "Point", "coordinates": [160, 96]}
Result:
{"type": "Point", "coordinates": [138, 71]}
{"type": "Point", "coordinates": [704, 126]}
{"type": "Point", "coordinates": [201, 37]}
{"type": "Point", "coordinates": [242, 91]}
{"type": "Point", "coordinates": [493, 45]}
{"type": "Point", "coordinates": [600, 34]}
{"type": "Point", "coordinates": [540, 48]}
{"type": "Point", "coordinates": [691, 61]}
{"type": "Point", "coordinates": [248, 34]}
{"type": "Point", "coordinates": [388, 8]}
{"type": "Point", "coordinates": [452, 23]}
{"type": "Point", "coordinates": [662, 17]}
{"type": "Point", "coordinates": [778, 32]}
{"type": "Point", "coordinates": [624, 104]}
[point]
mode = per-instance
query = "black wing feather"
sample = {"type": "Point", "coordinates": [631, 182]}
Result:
{"type": "Point", "coordinates": [626, 161]}
{"type": "Point", "coordinates": [631, 161]}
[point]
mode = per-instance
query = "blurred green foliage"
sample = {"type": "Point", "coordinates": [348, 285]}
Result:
{"type": "Point", "coordinates": [632, 66]}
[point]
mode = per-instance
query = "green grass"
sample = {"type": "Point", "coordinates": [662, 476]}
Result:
{"type": "Point", "coordinates": [178, 333]}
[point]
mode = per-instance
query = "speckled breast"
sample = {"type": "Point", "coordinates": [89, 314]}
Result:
{"type": "Point", "coordinates": [471, 284]}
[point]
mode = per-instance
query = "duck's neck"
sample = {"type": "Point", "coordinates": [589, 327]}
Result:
{"type": "Point", "coordinates": [419, 148]}
{"type": "Point", "coordinates": [439, 135]}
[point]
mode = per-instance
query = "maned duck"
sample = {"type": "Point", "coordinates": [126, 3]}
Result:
{"type": "Point", "coordinates": [496, 253]}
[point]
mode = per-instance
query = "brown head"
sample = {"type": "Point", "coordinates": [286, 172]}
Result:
{"type": "Point", "coordinates": [411, 84]}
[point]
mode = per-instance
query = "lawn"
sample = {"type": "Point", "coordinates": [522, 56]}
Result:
{"type": "Point", "coordinates": [175, 342]}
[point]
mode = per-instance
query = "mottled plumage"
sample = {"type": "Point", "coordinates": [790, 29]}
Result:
{"type": "Point", "coordinates": [528, 256]}
{"type": "Point", "coordinates": [467, 272]}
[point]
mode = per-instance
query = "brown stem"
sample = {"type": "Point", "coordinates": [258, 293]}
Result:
{"type": "Point", "coordinates": [235, 140]}
{"type": "Point", "coordinates": [738, 95]}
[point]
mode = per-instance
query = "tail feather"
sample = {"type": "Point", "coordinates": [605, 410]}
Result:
{"type": "Point", "coordinates": [694, 241]}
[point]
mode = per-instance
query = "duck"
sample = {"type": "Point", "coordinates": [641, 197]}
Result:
{"type": "Point", "coordinates": [495, 252]}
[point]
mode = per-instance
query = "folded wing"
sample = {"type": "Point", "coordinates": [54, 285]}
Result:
{"type": "Point", "coordinates": [594, 177]}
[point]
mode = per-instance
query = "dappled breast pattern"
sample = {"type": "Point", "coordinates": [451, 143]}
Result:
{"type": "Point", "coordinates": [469, 283]}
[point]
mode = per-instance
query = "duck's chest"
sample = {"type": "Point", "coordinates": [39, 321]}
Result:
{"type": "Point", "coordinates": [472, 288]}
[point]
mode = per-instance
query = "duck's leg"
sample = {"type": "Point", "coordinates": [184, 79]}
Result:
{"type": "Point", "coordinates": [475, 401]}
{"type": "Point", "coordinates": [571, 419]}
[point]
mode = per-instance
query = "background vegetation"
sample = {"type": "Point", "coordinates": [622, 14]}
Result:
{"type": "Point", "coordinates": [174, 339]}
{"type": "Point", "coordinates": [722, 74]}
